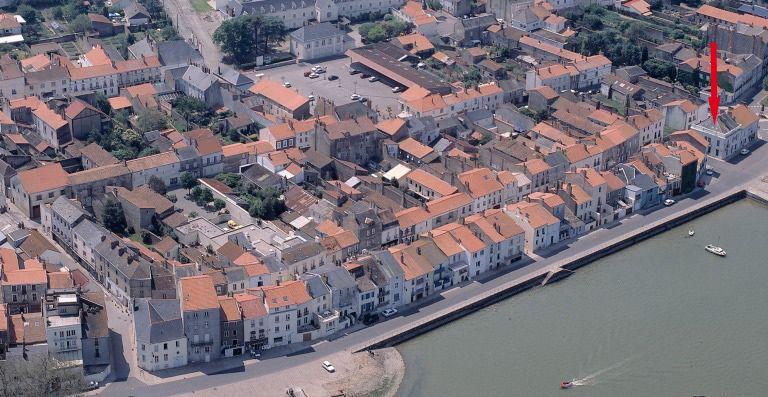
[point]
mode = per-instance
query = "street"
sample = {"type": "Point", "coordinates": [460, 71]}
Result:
{"type": "Point", "coordinates": [198, 27]}
{"type": "Point", "coordinates": [729, 175]}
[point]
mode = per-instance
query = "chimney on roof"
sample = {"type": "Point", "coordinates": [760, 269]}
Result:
{"type": "Point", "coordinates": [584, 173]}
{"type": "Point", "coordinates": [402, 257]}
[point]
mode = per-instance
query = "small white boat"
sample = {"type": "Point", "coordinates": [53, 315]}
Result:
{"type": "Point", "coordinates": [691, 232]}
{"type": "Point", "coordinates": [715, 250]}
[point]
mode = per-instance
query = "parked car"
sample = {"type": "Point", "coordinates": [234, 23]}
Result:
{"type": "Point", "coordinates": [373, 79]}
{"type": "Point", "coordinates": [313, 75]}
{"type": "Point", "coordinates": [355, 97]}
{"type": "Point", "coordinates": [287, 84]}
{"type": "Point", "coordinates": [353, 71]}
{"type": "Point", "coordinates": [744, 152]}
{"type": "Point", "coordinates": [365, 76]}
{"type": "Point", "coordinates": [389, 313]}
{"type": "Point", "coordinates": [669, 202]}
{"type": "Point", "coordinates": [307, 73]}
{"type": "Point", "coordinates": [311, 97]}
{"type": "Point", "coordinates": [710, 171]}
{"type": "Point", "coordinates": [363, 99]}
{"type": "Point", "coordinates": [397, 89]}
{"type": "Point", "coordinates": [370, 318]}
{"type": "Point", "coordinates": [333, 77]}
{"type": "Point", "coordinates": [328, 366]}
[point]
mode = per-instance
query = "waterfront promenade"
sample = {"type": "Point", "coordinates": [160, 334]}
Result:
{"type": "Point", "coordinates": [730, 179]}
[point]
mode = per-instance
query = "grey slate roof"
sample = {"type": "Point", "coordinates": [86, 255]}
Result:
{"type": "Point", "coordinates": [158, 320]}
{"type": "Point", "coordinates": [91, 232]}
{"type": "Point", "coordinates": [177, 52]}
{"type": "Point", "coordinates": [316, 32]}
{"type": "Point", "coordinates": [67, 209]}
{"type": "Point", "coordinates": [138, 269]}
{"type": "Point", "coordinates": [141, 47]}
{"type": "Point", "coordinates": [197, 78]}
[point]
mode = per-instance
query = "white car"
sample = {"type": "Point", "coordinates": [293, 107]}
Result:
{"type": "Point", "coordinates": [389, 312]}
{"type": "Point", "coordinates": [710, 171]}
{"type": "Point", "coordinates": [396, 89]}
{"type": "Point", "coordinates": [744, 152]}
{"type": "Point", "coordinates": [313, 75]}
{"type": "Point", "coordinates": [355, 97]}
{"type": "Point", "coordinates": [669, 202]}
{"type": "Point", "coordinates": [373, 79]}
{"type": "Point", "coordinates": [311, 97]}
{"type": "Point", "coordinates": [287, 84]}
{"type": "Point", "coordinates": [328, 366]}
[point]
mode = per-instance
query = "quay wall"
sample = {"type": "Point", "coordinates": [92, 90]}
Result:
{"type": "Point", "coordinates": [561, 269]}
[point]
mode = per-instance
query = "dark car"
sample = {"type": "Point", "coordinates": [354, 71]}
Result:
{"type": "Point", "coordinates": [370, 318]}
{"type": "Point", "coordinates": [333, 77]}
{"type": "Point", "coordinates": [353, 71]}
{"type": "Point", "coordinates": [365, 76]}
{"type": "Point", "coordinates": [307, 73]}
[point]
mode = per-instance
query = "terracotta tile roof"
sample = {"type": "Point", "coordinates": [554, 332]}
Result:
{"type": "Point", "coordinates": [613, 181]}
{"type": "Point", "coordinates": [592, 176]}
{"type": "Point", "coordinates": [547, 92]}
{"type": "Point", "coordinates": [577, 193]}
{"type": "Point", "coordinates": [42, 179]}
{"type": "Point", "coordinates": [25, 277]}
{"type": "Point", "coordinates": [535, 214]}
{"type": "Point", "coordinates": [97, 56]}
{"type": "Point", "coordinates": [498, 222]}
{"type": "Point", "coordinates": [431, 182]}
{"type": "Point", "coordinates": [685, 104]}
{"type": "Point", "coordinates": [251, 306]}
{"type": "Point", "coordinates": [229, 309]}
{"type": "Point", "coordinates": [100, 173]}
{"type": "Point", "coordinates": [60, 280]}
{"type": "Point", "coordinates": [418, 258]}
{"type": "Point", "coordinates": [294, 127]}
{"type": "Point", "coordinates": [448, 203]}
{"type": "Point", "coordinates": [418, 41]}
{"type": "Point", "coordinates": [18, 139]}
{"type": "Point", "coordinates": [141, 90]}
{"type": "Point", "coordinates": [411, 216]}
{"type": "Point", "coordinates": [49, 117]}
{"type": "Point", "coordinates": [288, 293]}
{"type": "Point", "coordinates": [356, 126]}
{"type": "Point", "coordinates": [693, 134]}
{"type": "Point", "coordinates": [275, 92]}
{"type": "Point", "coordinates": [197, 293]}
{"type": "Point", "coordinates": [31, 102]}
{"type": "Point", "coordinates": [732, 17]}
{"type": "Point", "coordinates": [413, 93]}
{"type": "Point", "coordinates": [144, 197]}
{"type": "Point", "coordinates": [340, 241]}
{"type": "Point", "coordinates": [153, 161]}
{"type": "Point", "coordinates": [391, 126]}
{"type": "Point", "coordinates": [480, 182]}
{"type": "Point", "coordinates": [415, 148]}
{"type": "Point", "coordinates": [427, 103]}
{"type": "Point", "coordinates": [536, 166]}
{"type": "Point", "coordinates": [119, 102]}
{"type": "Point", "coordinates": [447, 243]}
{"type": "Point", "coordinates": [3, 317]}
{"type": "Point", "coordinates": [35, 63]}
{"type": "Point", "coordinates": [230, 250]}
{"type": "Point", "coordinates": [462, 237]}
{"type": "Point", "coordinates": [744, 115]}
{"type": "Point", "coordinates": [205, 141]}
{"type": "Point", "coordinates": [328, 228]}
{"type": "Point", "coordinates": [27, 328]}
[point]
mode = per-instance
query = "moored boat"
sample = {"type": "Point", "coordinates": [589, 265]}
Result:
{"type": "Point", "coordinates": [715, 250]}
{"type": "Point", "coordinates": [566, 385]}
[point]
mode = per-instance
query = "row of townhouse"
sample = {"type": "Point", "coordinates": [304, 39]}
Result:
{"type": "Point", "coordinates": [420, 102]}
{"type": "Point", "coordinates": [570, 71]}
{"type": "Point", "coordinates": [93, 72]}
{"type": "Point", "coordinates": [297, 13]}
{"type": "Point", "coordinates": [199, 153]}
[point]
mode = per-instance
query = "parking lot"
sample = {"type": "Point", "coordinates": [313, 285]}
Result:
{"type": "Point", "coordinates": [379, 93]}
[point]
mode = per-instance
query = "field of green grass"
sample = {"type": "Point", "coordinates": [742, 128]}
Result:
{"type": "Point", "coordinates": [200, 5]}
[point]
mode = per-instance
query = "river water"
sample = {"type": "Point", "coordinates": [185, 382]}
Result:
{"type": "Point", "coordinates": [661, 318]}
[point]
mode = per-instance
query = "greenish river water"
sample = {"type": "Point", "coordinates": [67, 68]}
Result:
{"type": "Point", "coordinates": [661, 318]}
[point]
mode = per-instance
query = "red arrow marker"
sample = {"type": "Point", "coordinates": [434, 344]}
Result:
{"type": "Point", "coordinates": [714, 98]}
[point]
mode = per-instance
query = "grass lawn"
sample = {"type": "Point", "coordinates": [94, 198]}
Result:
{"type": "Point", "coordinates": [200, 5]}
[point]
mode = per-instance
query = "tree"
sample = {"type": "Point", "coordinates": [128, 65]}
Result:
{"type": "Point", "coordinates": [219, 204]}
{"type": "Point", "coordinates": [80, 24]}
{"type": "Point", "coordinates": [229, 179]}
{"type": "Point", "coordinates": [206, 196]}
{"type": "Point", "coordinates": [100, 102]}
{"type": "Point", "coordinates": [765, 83]}
{"type": "Point", "coordinates": [235, 36]}
{"type": "Point", "coordinates": [113, 217]}
{"type": "Point", "coordinates": [157, 185]}
{"type": "Point", "coordinates": [151, 120]}
{"type": "Point", "coordinates": [659, 69]}
{"type": "Point", "coordinates": [146, 237]}
{"type": "Point", "coordinates": [472, 77]}
{"type": "Point", "coordinates": [39, 376]}
{"type": "Point", "coordinates": [195, 193]}
{"type": "Point", "coordinates": [188, 181]}
{"type": "Point", "coordinates": [28, 13]}
{"type": "Point", "coordinates": [57, 13]}
{"type": "Point", "coordinates": [376, 34]}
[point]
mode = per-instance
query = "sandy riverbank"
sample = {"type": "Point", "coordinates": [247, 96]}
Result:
{"type": "Point", "coordinates": [372, 375]}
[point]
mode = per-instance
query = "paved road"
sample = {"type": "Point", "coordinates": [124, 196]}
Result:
{"type": "Point", "coordinates": [728, 176]}
{"type": "Point", "coordinates": [197, 27]}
